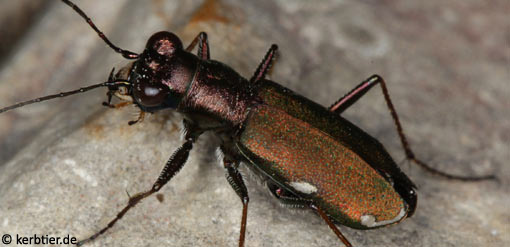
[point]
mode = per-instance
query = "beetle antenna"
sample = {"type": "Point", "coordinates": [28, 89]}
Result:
{"type": "Point", "coordinates": [60, 95]}
{"type": "Point", "coordinates": [125, 53]}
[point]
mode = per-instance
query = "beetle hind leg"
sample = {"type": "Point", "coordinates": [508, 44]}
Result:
{"type": "Point", "coordinates": [331, 225]}
{"type": "Point", "coordinates": [354, 95]}
{"type": "Point", "coordinates": [293, 201]}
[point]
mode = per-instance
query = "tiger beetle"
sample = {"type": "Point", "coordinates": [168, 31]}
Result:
{"type": "Point", "coordinates": [307, 155]}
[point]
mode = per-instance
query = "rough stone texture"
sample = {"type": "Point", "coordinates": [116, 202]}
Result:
{"type": "Point", "coordinates": [65, 165]}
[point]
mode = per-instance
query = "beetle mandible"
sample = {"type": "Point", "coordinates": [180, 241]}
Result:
{"type": "Point", "coordinates": [307, 155]}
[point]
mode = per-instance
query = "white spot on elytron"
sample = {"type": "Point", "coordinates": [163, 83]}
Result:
{"type": "Point", "coordinates": [303, 187]}
{"type": "Point", "coordinates": [369, 220]}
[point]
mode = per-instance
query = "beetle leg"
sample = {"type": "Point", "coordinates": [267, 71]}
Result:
{"type": "Point", "coordinates": [350, 98]}
{"type": "Point", "coordinates": [141, 117]}
{"type": "Point", "coordinates": [297, 202]}
{"type": "Point", "coordinates": [331, 225]}
{"type": "Point", "coordinates": [173, 165]}
{"type": "Point", "coordinates": [235, 179]}
{"type": "Point", "coordinates": [118, 105]}
{"type": "Point", "coordinates": [203, 46]}
{"type": "Point", "coordinates": [287, 199]}
{"type": "Point", "coordinates": [265, 65]}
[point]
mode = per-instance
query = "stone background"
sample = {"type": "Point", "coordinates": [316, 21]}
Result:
{"type": "Point", "coordinates": [65, 165]}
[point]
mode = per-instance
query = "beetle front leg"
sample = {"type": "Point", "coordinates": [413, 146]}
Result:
{"type": "Point", "coordinates": [174, 165]}
{"type": "Point", "coordinates": [350, 98]}
{"type": "Point", "coordinates": [203, 46]}
{"type": "Point", "coordinates": [141, 117]}
{"type": "Point", "coordinates": [235, 179]}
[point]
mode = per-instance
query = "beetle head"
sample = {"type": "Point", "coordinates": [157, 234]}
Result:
{"type": "Point", "coordinates": [159, 77]}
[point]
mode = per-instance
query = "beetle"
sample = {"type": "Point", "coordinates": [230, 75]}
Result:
{"type": "Point", "coordinates": [307, 155]}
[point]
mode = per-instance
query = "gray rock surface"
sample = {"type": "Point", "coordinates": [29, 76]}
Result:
{"type": "Point", "coordinates": [65, 165]}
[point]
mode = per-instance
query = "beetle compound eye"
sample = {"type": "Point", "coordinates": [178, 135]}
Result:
{"type": "Point", "coordinates": [150, 95]}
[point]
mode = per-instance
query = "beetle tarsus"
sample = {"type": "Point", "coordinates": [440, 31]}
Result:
{"type": "Point", "coordinates": [450, 176]}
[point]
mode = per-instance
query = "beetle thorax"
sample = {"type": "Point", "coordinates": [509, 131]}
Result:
{"type": "Point", "coordinates": [219, 92]}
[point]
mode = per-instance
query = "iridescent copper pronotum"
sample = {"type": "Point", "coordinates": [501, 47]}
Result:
{"type": "Point", "coordinates": [307, 155]}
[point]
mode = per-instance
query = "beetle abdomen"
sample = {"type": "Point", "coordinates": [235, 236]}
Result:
{"type": "Point", "coordinates": [318, 155]}
{"type": "Point", "coordinates": [313, 165]}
